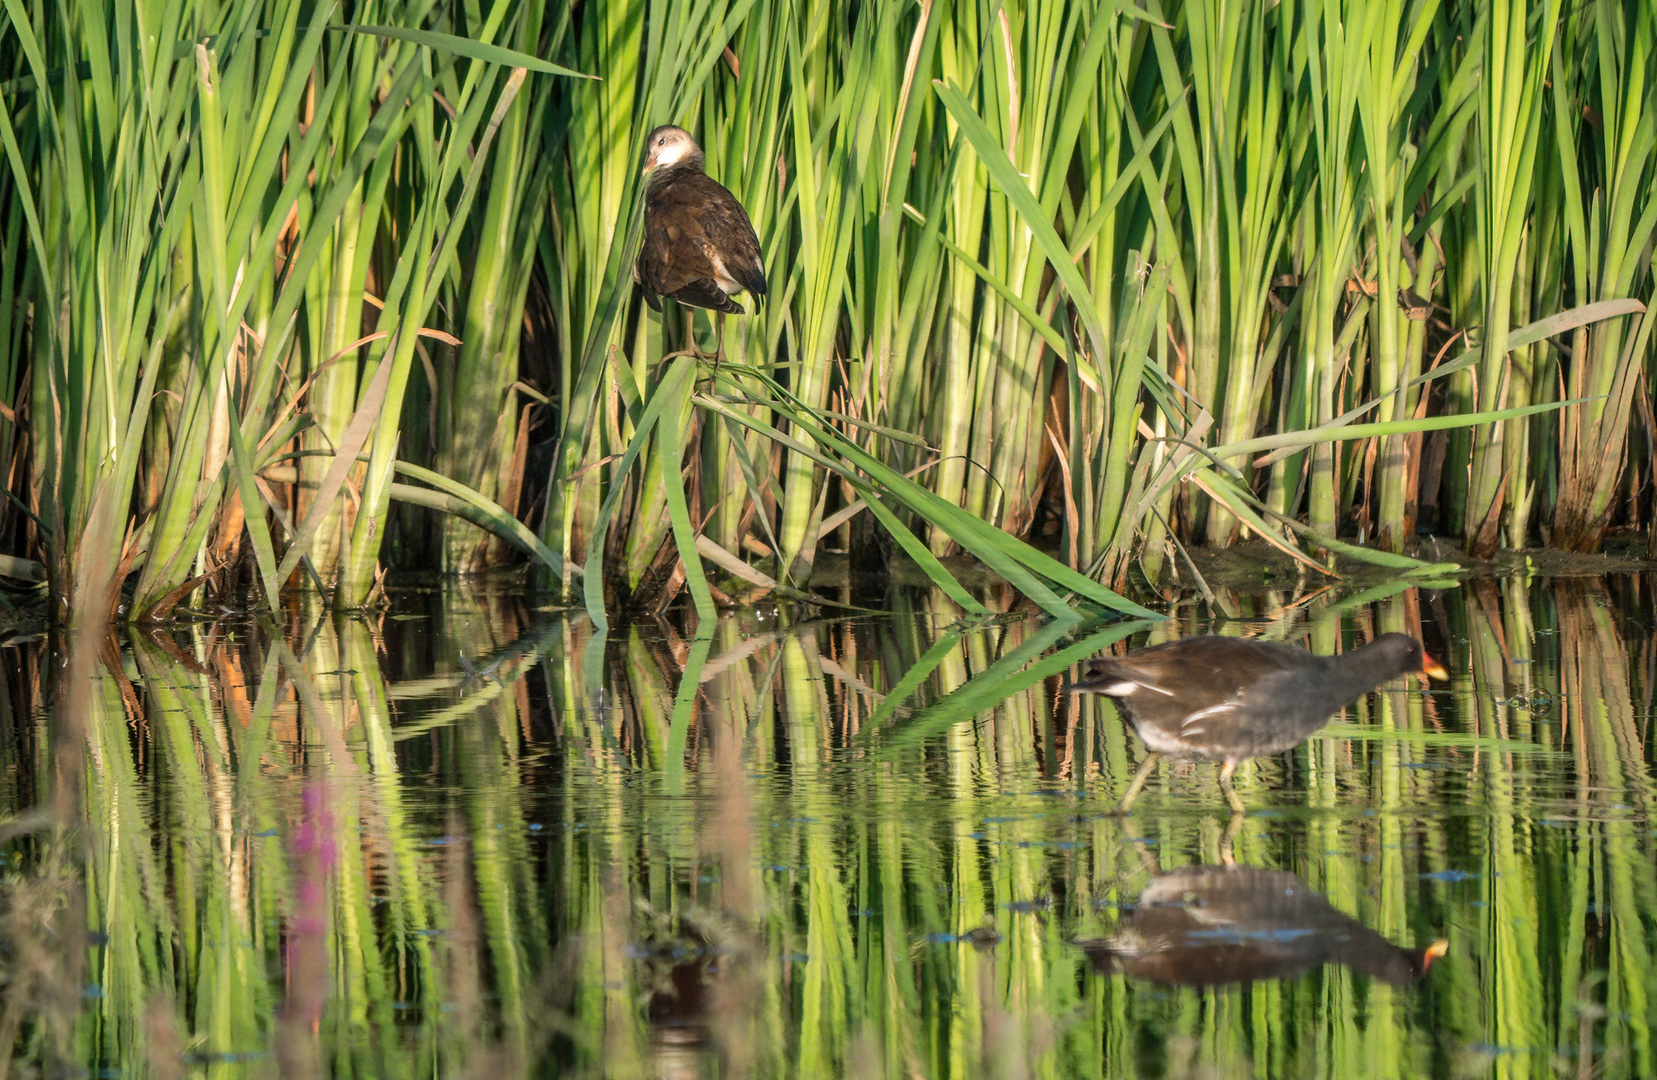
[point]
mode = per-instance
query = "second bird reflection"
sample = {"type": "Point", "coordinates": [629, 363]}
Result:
{"type": "Point", "coordinates": [1213, 925]}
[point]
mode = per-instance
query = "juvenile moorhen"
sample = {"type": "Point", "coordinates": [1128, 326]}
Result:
{"type": "Point", "coordinates": [1211, 925]}
{"type": "Point", "coordinates": [699, 246]}
{"type": "Point", "coordinates": [1228, 699]}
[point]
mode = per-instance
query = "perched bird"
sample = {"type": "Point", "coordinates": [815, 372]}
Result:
{"type": "Point", "coordinates": [1212, 925]}
{"type": "Point", "coordinates": [699, 246]}
{"type": "Point", "coordinates": [1229, 699]}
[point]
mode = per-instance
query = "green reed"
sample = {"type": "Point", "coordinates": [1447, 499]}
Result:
{"type": "Point", "coordinates": [1057, 267]}
{"type": "Point", "coordinates": [1295, 198]}
{"type": "Point", "coordinates": [209, 195]}
{"type": "Point", "coordinates": [1605, 141]}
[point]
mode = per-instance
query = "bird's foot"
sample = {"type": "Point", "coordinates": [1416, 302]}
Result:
{"type": "Point", "coordinates": [677, 353]}
{"type": "Point", "coordinates": [713, 376]}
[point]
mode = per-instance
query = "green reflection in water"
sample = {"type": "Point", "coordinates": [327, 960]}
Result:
{"type": "Point", "coordinates": [485, 842]}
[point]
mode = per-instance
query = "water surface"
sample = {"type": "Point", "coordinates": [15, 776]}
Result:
{"type": "Point", "coordinates": [471, 837]}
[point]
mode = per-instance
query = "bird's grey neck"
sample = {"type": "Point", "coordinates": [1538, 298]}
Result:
{"type": "Point", "coordinates": [1347, 680]}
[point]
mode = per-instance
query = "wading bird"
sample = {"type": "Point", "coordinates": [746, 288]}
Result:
{"type": "Point", "coordinates": [1229, 699]}
{"type": "Point", "coordinates": [699, 246]}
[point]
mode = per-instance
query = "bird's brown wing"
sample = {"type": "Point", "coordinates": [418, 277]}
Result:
{"type": "Point", "coordinates": [693, 229]}
{"type": "Point", "coordinates": [651, 297]}
{"type": "Point", "coordinates": [726, 226]}
{"type": "Point", "coordinates": [673, 262]}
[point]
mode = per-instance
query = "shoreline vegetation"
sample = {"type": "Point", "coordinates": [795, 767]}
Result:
{"type": "Point", "coordinates": [291, 297]}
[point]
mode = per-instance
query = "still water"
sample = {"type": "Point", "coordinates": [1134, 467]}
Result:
{"type": "Point", "coordinates": [473, 838]}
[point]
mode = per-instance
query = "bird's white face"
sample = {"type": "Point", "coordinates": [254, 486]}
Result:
{"type": "Point", "coordinates": [667, 146]}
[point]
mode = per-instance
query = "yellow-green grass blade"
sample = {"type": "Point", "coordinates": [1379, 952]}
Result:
{"type": "Point", "coordinates": [1529, 334]}
{"type": "Point", "coordinates": [1029, 663]}
{"type": "Point", "coordinates": [1347, 432]}
{"type": "Point", "coordinates": [677, 384]}
{"type": "Point", "coordinates": [483, 512]}
{"type": "Point", "coordinates": [211, 216]}
{"type": "Point", "coordinates": [985, 541]}
{"type": "Point", "coordinates": [1013, 186]}
{"type": "Point", "coordinates": [667, 394]}
{"type": "Point", "coordinates": [1023, 566]}
{"type": "Point", "coordinates": [357, 575]}
{"type": "Point", "coordinates": [928, 562]}
{"type": "Point", "coordinates": [454, 45]}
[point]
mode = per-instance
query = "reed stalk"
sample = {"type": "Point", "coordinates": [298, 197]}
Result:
{"type": "Point", "coordinates": [1605, 135]}
{"type": "Point", "coordinates": [1515, 43]}
{"type": "Point", "coordinates": [479, 439]}
{"type": "Point", "coordinates": [1395, 39]}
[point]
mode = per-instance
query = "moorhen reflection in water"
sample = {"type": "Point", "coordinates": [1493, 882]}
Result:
{"type": "Point", "coordinates": [692, 966]}
{"type": "Point", "coordinates": [1229, 699]}
{"type": "Point", "coordinates": [1212, 925]}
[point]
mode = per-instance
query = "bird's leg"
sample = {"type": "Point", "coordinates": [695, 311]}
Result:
{"type": "Point", "coordinates": [1139, 779]}
{"type": "Point", "coordinates": [1229, 837]}
{"type": "Point", "coordinates": [694, 347]}
{"type": "Point", "coordinates": [690, 346]}
{"type": "Point", "coordinates": [1231, 798]}
{"type": "Point", "coordinates": [689, 343]}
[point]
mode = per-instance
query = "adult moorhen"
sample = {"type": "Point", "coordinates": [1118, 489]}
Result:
{"type": "Point", "coordinates": [1228, 699]}
{"type": "Point", "coordinates": [1211, 925]}
{"type": "Point", "coordinates": [699, 246]}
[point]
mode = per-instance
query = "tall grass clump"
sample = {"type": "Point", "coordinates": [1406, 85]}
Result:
{"type": "Point", "coordinates": [202, 199]}
{"type": "Point", "coordinates": [1606, 131]}
{"type": "Point", "coordinates": [1066, 287]}
{"type": "Point", "coordinates": [1514, 43]}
